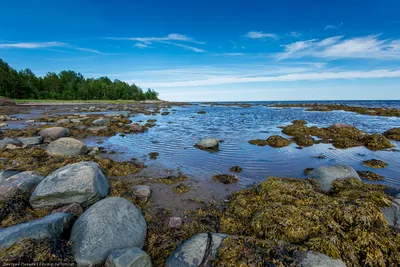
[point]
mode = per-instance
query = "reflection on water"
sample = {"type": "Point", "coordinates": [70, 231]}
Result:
{"type": "Point", "coordinates": [236, 126]}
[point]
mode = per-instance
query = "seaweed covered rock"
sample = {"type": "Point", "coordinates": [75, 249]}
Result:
{"type": "Point", "coordinates": [51, 226]}
{"type": "Point", "coordinates": [208, 144]}
{"type": "Point", "coordinates": [129, 257]}
{"type": "Point", "coordinates": [54, 133]}
{"type": "Point", "coordinates": [371, 176]}
{"type": "Point", "coordinates": [83, 183]}
{"type": "Point", "coordinates": [236, 169]}
{"type": "Point", "coordinates": [325, 175]}
{"type": "Point", "coordinates": [393, 134]}
{"type": "Point", "coordinates": [67, 147]}
{"type": "Point", "coordinates": [375, 163]}
{"type": "Point", "coordinates": [226, 178]}
{"type": "Point", "coordinates": [282, 215]}
{"type": "Point", "coordinates": [258, 142]}
{"type": "Point", "coordinates": [316, 259]}
{"type": "Point", "coordinates": [199, 250]}
{"type": "Point", "coordinates": [277, 141]}
{"type": "Point", "coordinates": [33, 252]}
{"type": "Point", "coordinates": [377, 142]}
{"type": "Point", "coordinates": [23, 182]}
{"type": "Point", "coordinates": [110, 224]}
{"type": "Point", "coordinates": [304, 140]}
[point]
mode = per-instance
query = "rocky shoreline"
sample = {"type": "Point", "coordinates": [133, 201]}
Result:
{"type": "Point", "coordinates": [62, 201]}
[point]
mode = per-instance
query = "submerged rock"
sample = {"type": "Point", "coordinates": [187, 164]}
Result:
{"type": "Point", "coordinates": [226, 178]}
{"type": "Point", "coordinates": [110, 224]}
{"type": "Point", "coordinates": [208, 144]}
{"type": "Point", "coordinates": [54, 133]}
{"type": "Point", "coordinates": [277, 141]}
{"type": "Point", "coordinates": [192, 252]}
{"type": "Point", "coordinates": [236, 169]}
{"type": "Point", "coordinates": [316, 259]}
{"type": "Point", "coordinates": [371, 176]}
{"type": "Point", "coordinates": [23, 182]}
{"type": "Point", "coordinates": [325, 175]}
{"type": "Point", "coordinates": [129, 257]}
{"type": "Point", "coordinates": [66, 147]}
{"type": "Point", "coordinates": [51, 226]}
{"type": "Point", "coordinates": [83, 183]}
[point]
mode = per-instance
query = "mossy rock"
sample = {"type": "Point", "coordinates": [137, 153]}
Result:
{"type": "Point", "coordinates": [301, 122]}
{"type": "Point", "coordinates": [371, 176]}
{"type": "Point", "coordinates": [226, 178]}
{"type": "Point", "coordinates": [304, 140]}
{"type": "Point", "coordinates": [44, 250]}
{"type": "Point", "coordinates": [181, 189]}
{"type": "Point", "coordinates": [236, 169]}
{"type": "Point", "coordinates": [377, 142]}
{"type": "Point", "coordinates": [277, 141]}
{"type": "Point", "coordinates": [201, 112]}
{"type": "Point", "coordinates": [393, 134]}
{"type": "Point", "coordinates": [258, 142]}
{"type": "Point", "coordinates": [375, 163]}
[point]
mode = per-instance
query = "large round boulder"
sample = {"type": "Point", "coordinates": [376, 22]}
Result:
{"type": "Point", "coordinates": [22, 182]}
{"type": "Point", "coordinates": [83, 183]}
{"type": "Point", "coordinates": [191, 253]}
{"type": "Point", "coordinates": [110, 224]}
{"type": "Point", "coordinates": [51, 226]}
{"type": "Point", "coordinates": [67, 147]}
{"type": "Point", "coordinates": [208, 144]}
{"type": "Point", "coordinates": [325, 175]}
{"type": "Point", "coordinates": [54, 133]}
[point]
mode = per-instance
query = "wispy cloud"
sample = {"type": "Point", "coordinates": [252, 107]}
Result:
{"type": "Point", "coordinates": [333, 27]}
{"type": "Point", "coordinates": [146, 41]}
{"type": "Point", "coordinates": [47, 45]}
{"type": "Point", "coordinates": [33, 45]}
{"type": "Point", "coordinates": [295, 34]}
{"type": "Point", "coordinates": [371, 47]}
{"type": "Point", "coordinates": [233, 54]}
{"type": "Point", "coordinates": [195, 49]}
{"type": "Point", "coordinates": [294, 77]}
{"type": "Point", "coordinates": [141, 45]}
{"type": "Point", "coordinates": [259, 35]}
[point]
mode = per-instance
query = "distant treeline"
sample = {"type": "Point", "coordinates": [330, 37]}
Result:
{"type": "Point", "coordinates": [67, 85]}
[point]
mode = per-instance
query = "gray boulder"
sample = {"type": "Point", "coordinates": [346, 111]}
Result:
{"type": "Point", "coordinates": [97, 130]}
{"type": "Point", "coordinates": [191, 252]}
{"type": "Point", "coordinates": [62, 121]}
{"type": "Point", "coordinates": [83, 183]}
{"type": "Point", "coordinates": [54, 133]}
{"type": "Point", "coordinates": [208, 144]}
{"type": "Point", "coordinates": [22, 182]}
{"type": "Point", "coordinates": [392, 214]}
{"type": "Point", "coordinates": [130, 257]}
{"type": "Point", "coordinates": [35, 140]}
{"type": "Point", "coordinates": [67, 147]}
{"type": "Point", "coordinates": [142, 192]}
{"type": "Point", "coordinates": [7, 173]}
{"type": "Point", "coordinates": [101, 121]}
{"type": "Point", "coordinates": [316, 259]}
{"type": "Point", "coordinates": [51, 226]}
{"type": "Point", "coordinates": [110, 224]}
{"type": "Point", "coordinates": [325, 175]}
{"type": "Point", "coordinates": [9, 141]}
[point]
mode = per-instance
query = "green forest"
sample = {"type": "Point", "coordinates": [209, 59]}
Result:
{"type": "Point", "coordinates": [66, 85]}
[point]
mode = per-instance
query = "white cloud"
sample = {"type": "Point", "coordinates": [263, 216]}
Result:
{"type": "Point", "coordinates": [335, 47]}
{"type": "Point", "coordinates": [195, 49]}
{"type": "Point", "coordinates": [146, 41]}
{"type": "Point", "coordinates": [33, 45]}
{"type": "Point", "coordinates": [141, 45]}
{"type": "Point", "coordinates": [333, 27]}
{"type": "Point", "coordinates": [295, 34]}
{"type": "Point", "coordinates": [233, 54]}
{"type": "Point", "coordinates": [41, 45]}
{"type": "Point", "coordinates": [259, 35]}
{"type": "Point", "coordinates": [290, 77]}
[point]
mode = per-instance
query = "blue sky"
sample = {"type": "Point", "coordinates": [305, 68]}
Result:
{"type": "Point", "coordinates": [214, 50]}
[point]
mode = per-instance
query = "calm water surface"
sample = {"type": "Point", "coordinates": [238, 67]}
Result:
{"type": "Point", "coordinates": [236, 126]}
